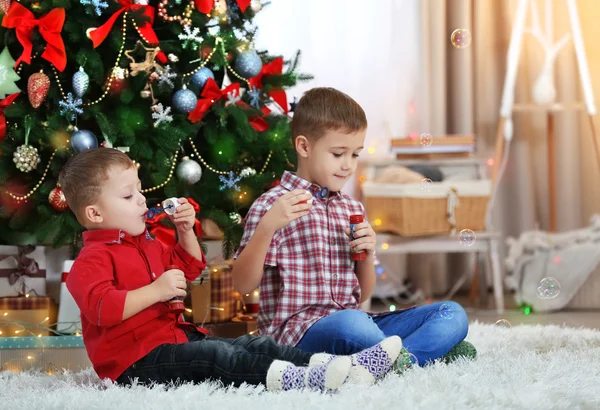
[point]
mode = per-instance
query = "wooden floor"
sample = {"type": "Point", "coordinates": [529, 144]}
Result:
{"type": "Point", "coordinates": [579, 318]}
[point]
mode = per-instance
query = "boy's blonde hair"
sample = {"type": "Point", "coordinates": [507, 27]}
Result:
{"type": "Point", "coordinates": [84, 174]}
{"type": "Point", "coordinates": [325, 109]}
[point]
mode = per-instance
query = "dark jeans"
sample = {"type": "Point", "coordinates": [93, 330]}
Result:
{"type": "Point", "coordinates": [231, 361]}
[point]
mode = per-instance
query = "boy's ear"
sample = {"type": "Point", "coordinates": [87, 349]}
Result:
{"type": "Point", "coordinates": [92, 214]}
{"type": "Point", "coordinates": [302, 146]}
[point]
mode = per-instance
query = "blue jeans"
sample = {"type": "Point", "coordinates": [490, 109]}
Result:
{"type": "Point", "coordinates": [424, 332]}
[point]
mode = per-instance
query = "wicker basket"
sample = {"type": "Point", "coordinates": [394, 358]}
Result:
{"type": "Point", "coordinates": [410, 210]}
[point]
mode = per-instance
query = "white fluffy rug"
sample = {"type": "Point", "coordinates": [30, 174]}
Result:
{"type": "Point", "coordinates": [525, 367]}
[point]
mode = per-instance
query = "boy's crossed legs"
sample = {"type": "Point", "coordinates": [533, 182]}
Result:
{"type": "Point", "coordinates": [424, 332]}
{"type": "Point", "coordinates": [247, 359]}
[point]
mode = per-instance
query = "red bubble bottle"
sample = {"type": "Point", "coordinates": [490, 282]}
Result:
{"type": "Point", "coordinates": [360, 255]}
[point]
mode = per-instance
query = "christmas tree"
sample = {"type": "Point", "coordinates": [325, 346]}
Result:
{"type": "Point", "coordinates": [176, 84]}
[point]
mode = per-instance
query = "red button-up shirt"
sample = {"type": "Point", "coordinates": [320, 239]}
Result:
{"type": "Point", "coordinates": [110, 264]}
{"type": "Point", "coordinates": [308, 272]}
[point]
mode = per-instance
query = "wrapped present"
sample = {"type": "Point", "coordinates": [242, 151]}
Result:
{"type": "Point", "coordinates": [212, 295]}
{"type": "Point", "coordinates": [22, 271]}
{"type": "Point", "coordinates": [26, 316]}
{"type": "Point", "coordinates": [223, 298]}
{"type": "Point", "coordinates": [69, 319]}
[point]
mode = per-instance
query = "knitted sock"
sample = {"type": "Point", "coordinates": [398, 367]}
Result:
{"type": "Point", "coordinates": [367, 365]}
{"type": "Point", "coordinates": [463, 349]}
{"type": "Point", "coordinates": [329, 376]}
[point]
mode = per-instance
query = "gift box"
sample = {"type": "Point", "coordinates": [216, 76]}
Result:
{"type": "Point", "coordinates": [26, 316]}
{"type": "Point", "coordinates": [213, 298]}
{"type": "Point", "coordinates": [69, 318]}
{"type": "Point", "coordinates": [22, 271]}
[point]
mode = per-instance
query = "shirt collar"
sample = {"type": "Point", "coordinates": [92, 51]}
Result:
{"type": "Point", "coordinates": [112, 236]}
{"type": "Point", "coordinates": [291, 181]}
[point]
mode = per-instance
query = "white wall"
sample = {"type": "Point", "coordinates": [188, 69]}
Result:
{"type": "Point", "coordinates": [369, 50]}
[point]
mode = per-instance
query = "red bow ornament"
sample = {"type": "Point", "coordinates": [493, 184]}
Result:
{"type": "Point", "coordinates": [49, 26]}
{"type": "Point", "coordinates": [145, 29]}
{"type": "Point", "coordinates": [275, 67]}
{"type": "Point", "coordinates": [166, 235]}
{"type": "Point", "coordinates": [206, 6]}
{"type": "Point", "coordinates": [211, 94]}
{"type": "Point", "coordinates": [3, 104]}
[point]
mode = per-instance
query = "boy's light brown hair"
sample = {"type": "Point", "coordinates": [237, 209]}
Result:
{"type": "Point", "coordinates": [325, 109]}
{"type": "Point", "coordinates": [84, 174]}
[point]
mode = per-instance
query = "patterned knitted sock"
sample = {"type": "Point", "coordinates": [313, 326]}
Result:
{"type": "Point", "coordinates": [367, 365]}
{"type": "Point", "coordinates": [285, 376]}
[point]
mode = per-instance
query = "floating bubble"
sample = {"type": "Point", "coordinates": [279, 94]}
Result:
{"type": "Point", "coordinates": [446, 311]}
{"type": "Point", "coordinates": [413, 359]}
{"type": "Point", "coordinates": [549, 288]}
{"type": "Point", "coordinates": [503, 323]}
{"type": "Point", "coordinates": [426, 185]}
{"type": "Point", "coordinates": [426, 140]}
{"type": "Point", "coordinates": [466, 237]}
{"type": "Point", "coordinates": [461, 38]}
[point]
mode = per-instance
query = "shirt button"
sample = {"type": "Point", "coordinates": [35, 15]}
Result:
{"type": "Point", "coordinates": [335, 276]}
{"type": "Point", "coordinates": [122, 235]}
{"type": "Point", "coordinates": [333, 241]}
{"type": "Point", "coordinates": [153, 275]}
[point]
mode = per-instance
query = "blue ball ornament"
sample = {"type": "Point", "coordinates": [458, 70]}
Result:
{"type": "Point", "coordinates": [82, 140]}
{"type": "Point", "coordinates": [199, 79]}
{"type": "Point", "coordinates": [184, 101]}
{"type": "Point", "coordinates": [248, 64]}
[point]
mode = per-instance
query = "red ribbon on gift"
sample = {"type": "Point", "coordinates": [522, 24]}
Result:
{"type": "Point", "coordinates": [205, 6]}
{"type": "Point", "coordinates": [166, 235]}
{"type": "Point", "coordinates": [49, 26]}
{"type": "Point", "coordinates": [275, 67]}
{"type": "Point", "coordinates": [3, 104]}
{"type": "Point", "coordinates": [211, 94]}
{"type": "Point", "coordinates": [146, 30]}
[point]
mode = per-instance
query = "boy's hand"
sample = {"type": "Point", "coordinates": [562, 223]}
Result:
{"type": "Point", "coordinates": [287, 208]}
{"type": "Point", "coordinates": [170, 284]}
{"type": "Point", "coordinates": [184, 216]}
{"type": "Point", "coordinates": [364, 238]}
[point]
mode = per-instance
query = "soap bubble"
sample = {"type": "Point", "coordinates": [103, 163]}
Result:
{"type": "Point", "coordinates": [503, 323]}
{"type": "Point", "coordinates": [466, 237]}
{"type": "Point", "coordinates": [446, 311]}
{"type": "Point", "coordinates": [461, 38]}
{"type": "Point", "coordinates": [549, 288]}
{"type": "Point", "coordinates": [426, 140]}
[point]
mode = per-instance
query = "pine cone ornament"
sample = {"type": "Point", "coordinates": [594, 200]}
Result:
{"type": "Point", "coordinates": [37, 88]}
{"type": "Point", "coordinates": [57, 199]}
{"type": "Point", "coordinates": [26, 158]}
{"type": "Point", "coordinates": [81, 82]}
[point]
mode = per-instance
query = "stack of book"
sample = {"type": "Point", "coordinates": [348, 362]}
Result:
{"type": "Point", "coordinates": [442, 146]}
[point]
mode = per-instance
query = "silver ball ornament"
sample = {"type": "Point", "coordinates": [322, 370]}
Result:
{"type": "Point", "coordinates": [199, 79]}
{"type": "Point", "coordinates": [235, 217]}
{"type": "Point", "coordinates": [189, 171]}
{"type": "Point", "coordinates": [81, 82]}
{"type": "Point", "coordinates": [256, 6]}
{"type": "Point", "coordinates": [248, 64]}
{"type": "Point", "coordinates": [184, 101]}
{"type": "Point", "coordinates": [26, 158]}
{"type": "Point", "coordinates": [82, 140]}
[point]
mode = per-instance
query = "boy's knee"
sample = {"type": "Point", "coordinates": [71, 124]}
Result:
{"type": "Point", "coordinates": [357, 329]}
{"type": "Point", "coordinates": [460, 317]}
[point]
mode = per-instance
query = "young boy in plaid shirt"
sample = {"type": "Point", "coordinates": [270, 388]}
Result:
{"type": "Point", "coordinates": [296, 248]}
{"type": "Point", "coordinates": [123, 279]}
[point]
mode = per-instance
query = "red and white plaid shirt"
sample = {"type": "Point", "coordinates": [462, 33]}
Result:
{"type": "Point", "coordinates": [308, 272]}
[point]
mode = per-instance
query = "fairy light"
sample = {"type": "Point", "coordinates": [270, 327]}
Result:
{"type": "Point", "coordinates": [385, 246]}
{"type": "Point", "coordinates": [490, 162]}
{"type": "Point", "coordinates": [371, 150]}
{"type": "Point", "coordinates": [377, 222]}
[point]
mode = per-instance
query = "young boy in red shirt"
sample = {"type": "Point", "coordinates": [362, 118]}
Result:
{"type": "Point", "coordinates": [122, 284]}
{"type": "Point", "coordinates": [296, 246]}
